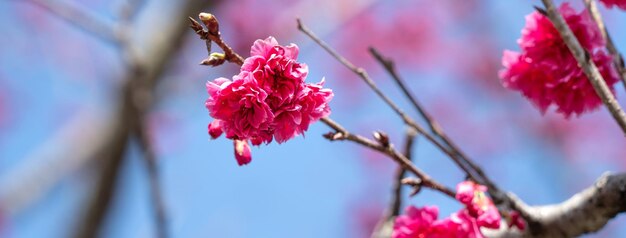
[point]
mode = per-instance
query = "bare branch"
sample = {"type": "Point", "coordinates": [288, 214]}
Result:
{"type": "Point", "coordinates": [383, 229]}
{"type": "Point", "coordinates": [342, 134]}
{"type": "Point", "coordinates": [396, 197]}
{"type": "Point", "coordinates": [213, 35]}
{"type": "Point", "coordinates": [618, 60]}
{"type": "Point", "coordinates": [586, 63]}
{"type": "Point", "coordinates": [407, 120]}
{"type": "Point", "coordinates": [471, 168]}
{"type": "Point", "coordinates": [435, 128]}
{"type": "Point", "coordinates": [585, 212]}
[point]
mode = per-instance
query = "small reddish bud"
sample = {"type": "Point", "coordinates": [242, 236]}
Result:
{"type": "Point", "coordinates": [242, 152]}
{"type": "Point", "coordinates": [215, 129]}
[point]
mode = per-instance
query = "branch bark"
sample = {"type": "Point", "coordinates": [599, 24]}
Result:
{"type": "Point", "coordinates": [585, 212]}
{"type": "Point", "coordinates": [618, 60]}
{"type": "Point", "coordinates": [343, 134]}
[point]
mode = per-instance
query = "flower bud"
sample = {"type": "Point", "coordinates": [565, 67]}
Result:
{"type": "Point", "coordinates": [210, 22]}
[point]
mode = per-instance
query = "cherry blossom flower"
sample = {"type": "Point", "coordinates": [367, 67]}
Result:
{"type": "Point", "coordinates": [240, 106]}
{"type": "Point", "coordinates": [423, 223]}
{"type": "Point", "coordinates": [479, 212]}
{"type": "Point", "coordinates": [459, 224]}
{"type": "Point", "coordinates": [416, 222]}
{"type": "Point", "coordinates": [611, 3]}
{"type": "Point", "coordinates": [546, 72]}
{"type": "Point", "coordinates": [267, 100]}
{"type": "Point", "coordinates": [478, 205]}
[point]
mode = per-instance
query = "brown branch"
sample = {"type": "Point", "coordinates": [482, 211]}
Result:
{"type": "Point", "coordinates": [213, 35]}
{"type": "Point", "coordinates": [342, 134]}
{"type": "Point", "coordinates": [586, 63]}
{"type": "Point", "coordinates": [463, 163]}
{"type": "Point", "coordinates": [434, 126]}
{"type": "Point", "coordinates": [364, 76]}
{"type": "Point", "coordinates": [473, 169]}
{"type": "Point", "coordinates": [396, 196]}
{"type": "Point", "coordinates": [618, 60]}
{"type": "Point", "coordinates": [383, 228]}
{"type": "Point", "coordinates": [585, 212]}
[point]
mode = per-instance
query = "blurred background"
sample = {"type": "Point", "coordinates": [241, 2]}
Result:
{"type": "Point", "coordinates": [62, 86]}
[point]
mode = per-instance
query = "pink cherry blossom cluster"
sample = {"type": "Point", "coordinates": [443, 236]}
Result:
{"type": "Point", "coordinates": [611, 3]}
{"type": "Point", "coordinates": [267, 100]}
{"type": "Point", "coordinates": [546, 72]}
{"type": "Point", "coordinates": [479, 211]}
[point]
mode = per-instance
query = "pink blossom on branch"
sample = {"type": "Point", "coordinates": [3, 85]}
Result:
{"type": "Point", "coordinates": [479, 212]}
{"type": "Point", "coordinates": [478, 205]}
{"type": "Point", "coordinates": [611, 3]}
{"type": "Point", "coordinates": [546, 72]}
{"type": "Point", "coordinates": [416, 222]}
{"type": "Point", "coordinates": [267, 100]}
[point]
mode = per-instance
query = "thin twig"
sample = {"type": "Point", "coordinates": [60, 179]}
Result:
{"type": "Point", "coordinates": [402, 160]}
{"type": "Point", "coordinates": [396, 196]}
{"type": "Point", "coordinates": [618, 59]}
{"type": "Point", "coordinates": [434, 126]}
{"type": "Point", "coordinates": [586, 63]}
{"type": "Point", "coordinates": [437, 130]}
{"type": "Point", "coordinates": [382, 228]}
{"type": "Point", "coordinates": [215, 36]}
{"type": "Point", "coordinates": [472, 170]}
{"type": "Point", "coordinates": [407, 120]}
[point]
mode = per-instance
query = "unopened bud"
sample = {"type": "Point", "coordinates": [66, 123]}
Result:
{"type": "Point", "coordinates": [210, 22]}
{"type": "Point", "coordinates": [382, 138]}
{"type": "Point", "coordinates": [214, 59]}
{"type": "Point", "coordinates": [333, 136]}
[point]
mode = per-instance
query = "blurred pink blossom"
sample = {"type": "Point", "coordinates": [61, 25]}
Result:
{"type": "Point", "coordinates": [478, 205]}
{"type": "Point", "coordinates": [614, 3]}
{"type": "Point", "coordinates": [479, 212]}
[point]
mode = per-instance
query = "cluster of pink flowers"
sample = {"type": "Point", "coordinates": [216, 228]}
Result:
{"type": "Point", "coordinates": [546, 72]}
{"type": "Point", "coordinates": [267, 100]}
{"type": "Point", "coordinates": [611, 3]}
{"type": "Point", "coordinates": [479, 211]}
